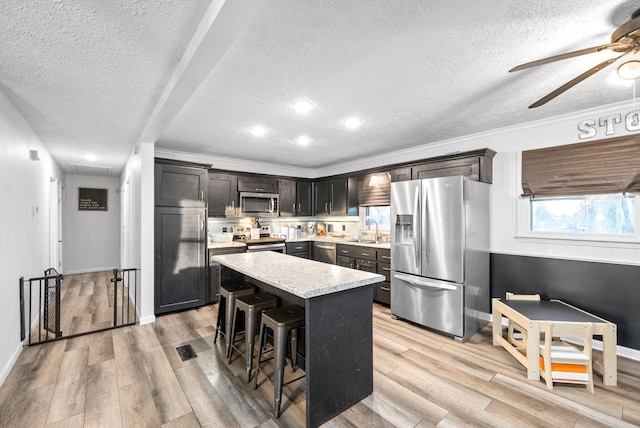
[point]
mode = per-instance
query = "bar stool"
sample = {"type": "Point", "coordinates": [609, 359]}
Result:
{"type": "Point", "coordinates": [230, 292]}
{"type": "Point", "coordinates": [253, 306]}
{"type": "Point", "coordinates": [284, 322]}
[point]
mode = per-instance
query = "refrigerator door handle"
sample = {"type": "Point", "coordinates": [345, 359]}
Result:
{"type": "Point", "coordinates": [416, 225]}
{"type": "Point", "coordinates": [423, 283]}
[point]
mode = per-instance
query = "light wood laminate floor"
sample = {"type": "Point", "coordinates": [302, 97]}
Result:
{"type": "Point", "coordinates": [133, 377]}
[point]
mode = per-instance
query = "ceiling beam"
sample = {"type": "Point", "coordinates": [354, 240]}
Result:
{"type": "Point", "coordinates": [221, 24]}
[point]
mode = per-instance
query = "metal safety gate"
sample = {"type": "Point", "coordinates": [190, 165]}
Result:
{"type": "Point", "coordinates": [40, 307]}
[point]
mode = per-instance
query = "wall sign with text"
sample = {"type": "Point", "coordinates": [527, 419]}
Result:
{"type": "Point", "coordinates": [589, 128]}
{"type": "Point", "coordinates": [92, 199]}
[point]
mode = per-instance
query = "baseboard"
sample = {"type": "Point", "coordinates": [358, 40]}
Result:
{"type": "Point", "coordinates": [148, 320]}
{"type": "Point", "coordinates": [10, 363]}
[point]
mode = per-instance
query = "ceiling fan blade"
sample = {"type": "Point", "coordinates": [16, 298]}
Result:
{"type": "Point", "coordinates": [571, 83]}
{"type": "Point", "coordinates": [593, 49]}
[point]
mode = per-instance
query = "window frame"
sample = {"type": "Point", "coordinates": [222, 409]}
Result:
{"type": "Point", "coordinates": [362, 213]}
{"type": "Point", "coordinates": [524, 232]}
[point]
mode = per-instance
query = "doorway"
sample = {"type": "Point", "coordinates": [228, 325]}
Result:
{"type": "Point", "coordinates": [94, 293]}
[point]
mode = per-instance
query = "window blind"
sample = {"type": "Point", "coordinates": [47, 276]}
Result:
{"type": "Point", "coordinates": [376, 193]}
{"type": "Point", "coordinates": [596, 167]}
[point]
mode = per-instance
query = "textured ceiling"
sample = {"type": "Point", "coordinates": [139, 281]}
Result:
{"type": "Point", "coordinates": [87, 75]}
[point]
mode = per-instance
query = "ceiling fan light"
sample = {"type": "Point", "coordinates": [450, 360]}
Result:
{"type": "Point", "coordinates": [629, 70]}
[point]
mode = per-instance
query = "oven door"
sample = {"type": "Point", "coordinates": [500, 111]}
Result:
{"type": "Point", "coordinates": [258, 204]}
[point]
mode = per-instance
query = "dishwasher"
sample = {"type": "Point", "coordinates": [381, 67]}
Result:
{"type": "Point", "coordinates": [324, 252]}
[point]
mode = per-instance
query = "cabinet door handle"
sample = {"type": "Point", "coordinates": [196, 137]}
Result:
{"type": "Point", "coordinates": [233, 204]}
{"type": "Point", "coordinates": [259, 190]}
{"type": "Point", "coordinates": [385, 288]}
{"type": "Point", "coordinates": [202, 195]}
{"type": "Point", "coordinates": [330, 207]}
{"type": "Point", "coordinates": [299, 209]}
{"type": "Point", "coordinates": [386, 257]}
{"type": "Point", "coordinates": [365, 254]}
{"type": "Point", "coordinates": [326, 207]}
{"type": "Point", "coordinates": [387, 269]}
{"type": "Point", "coordinates": [344, 251]}
{"type": "Point", "coordinates": [293, 207]}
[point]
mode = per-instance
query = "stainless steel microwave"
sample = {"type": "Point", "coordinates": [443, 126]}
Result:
{"type": "Point", "coordinates": [258, 204]}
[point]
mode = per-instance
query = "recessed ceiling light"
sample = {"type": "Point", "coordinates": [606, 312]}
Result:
{"type": "Point", "coordinates": [303, 105]}
{"type": "Point", "coordinates": [90, 157]}
{"type": "Point", "coordinates": [352, 122]}
{"type": "Point", "coordinates": [258, 131]}
{"type": "Point", "coordinates": [303, 140]}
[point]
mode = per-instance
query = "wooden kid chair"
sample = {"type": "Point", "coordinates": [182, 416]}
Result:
{"type": "Point", "coordinates": [563, 362]}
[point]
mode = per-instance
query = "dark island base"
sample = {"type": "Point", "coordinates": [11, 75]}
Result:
{"type": "Point", "coordinates": [339, 352]}
{"type": "Point", "coordinates": [338, 349]}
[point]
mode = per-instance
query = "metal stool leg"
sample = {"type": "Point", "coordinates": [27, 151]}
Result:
{"type": "Point", "coordinates": [231, 328]}
{"type": "Point", "coordinates": [230, 319]}
{"type": "Point", "coordinates": [261, 339]}
{"type": "Point", "coordinates": [280, 347]}
{"type": "Point", "coordinates": [294, 348]}
{"type": "Point", "coordinates": [221, 315]}
{"type": "Point", "coordinates": [250, 330]}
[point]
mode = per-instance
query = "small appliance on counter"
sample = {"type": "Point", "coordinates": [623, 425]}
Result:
{"type": "Point", "coordinates": [321, 229]}
{"type": "Point", "coordinates": [311, 229]}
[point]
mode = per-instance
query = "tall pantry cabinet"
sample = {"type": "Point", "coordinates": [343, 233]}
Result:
{"type": "Point", "coordinates": [180, 236]}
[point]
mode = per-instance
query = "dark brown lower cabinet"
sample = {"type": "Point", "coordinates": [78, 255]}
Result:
{"type": "Point", "coordinates": [382, 291]}
{"type": "Point", "coordinates": [299, 249]}
{"type": "Point", "coordinates": [180, 258]}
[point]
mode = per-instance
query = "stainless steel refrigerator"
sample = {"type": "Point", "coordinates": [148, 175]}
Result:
{"type": "Point", "coordinates": [440, 254]}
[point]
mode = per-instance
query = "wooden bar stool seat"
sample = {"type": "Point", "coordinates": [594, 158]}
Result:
{"type": "Point", "coordinates": [284, 322]}
{"type": "Point", "coordinates": [253, 306]}
{"type": "Point", "coordinates": [229, 292]}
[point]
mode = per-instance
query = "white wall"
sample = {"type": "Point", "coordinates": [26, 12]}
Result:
{"type": "Point", "coordinates": [92, 238]}
{"type": "Point", "coordinates": [24, 216]}
{"type": "Point", "coordinates": [137, 178]}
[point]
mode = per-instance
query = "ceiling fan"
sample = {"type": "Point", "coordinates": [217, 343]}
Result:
{"type": "Point", "coordinates": [626, 39]}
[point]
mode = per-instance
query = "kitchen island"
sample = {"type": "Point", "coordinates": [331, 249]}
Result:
{"type": "Point", "coordinates": [338, 342]}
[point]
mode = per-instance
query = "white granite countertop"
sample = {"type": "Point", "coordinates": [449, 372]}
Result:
{"type": "Point", "coordinates": [226, 244]}
{"type": "Point", "coordinates": [386, 245]}
{"type": "Point", "coordinates": [301, 277]}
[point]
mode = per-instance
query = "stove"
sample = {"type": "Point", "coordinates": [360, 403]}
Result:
{"type": "Point", "coordinates": [265, 242]}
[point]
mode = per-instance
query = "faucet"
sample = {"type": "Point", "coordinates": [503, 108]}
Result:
{"type": "Point", "coordinates": [376, 223]}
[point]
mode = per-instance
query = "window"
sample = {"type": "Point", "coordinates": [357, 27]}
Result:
{"type": "Point", "coordinates": [582, 192]}
{"type": "Point", "coordinates": [379, 214]}
{"type": "Point", "coordinates": [612, 214]}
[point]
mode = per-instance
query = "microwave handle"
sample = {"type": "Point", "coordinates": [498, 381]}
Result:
{"type": "Point", "coordinates": [271, 205]}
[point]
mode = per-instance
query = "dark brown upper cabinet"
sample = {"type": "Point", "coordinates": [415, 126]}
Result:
{"type": "Point", "coordinates": [180, 186]}
{"type": "Point", "coordinates": [223, 195]}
